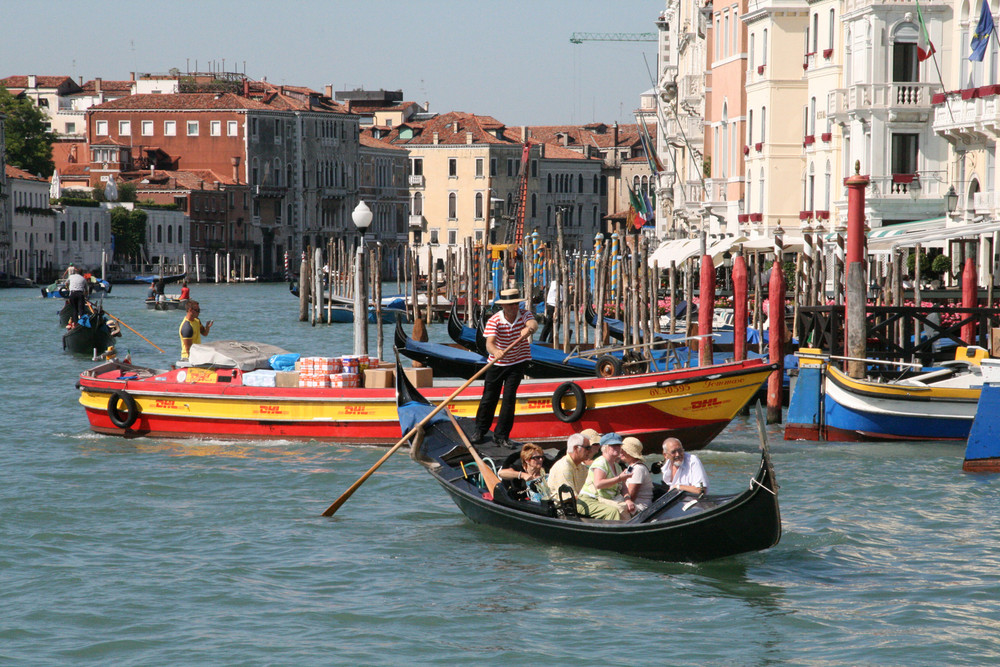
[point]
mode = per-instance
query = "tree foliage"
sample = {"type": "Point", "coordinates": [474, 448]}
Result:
{"type": "Point", "coordinates": [29, 143]}
{"type": "Point", "coordinates": [129, 230]}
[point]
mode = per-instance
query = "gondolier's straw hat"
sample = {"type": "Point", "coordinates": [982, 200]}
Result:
{"type": "Point", "coordinates": [509, 296]}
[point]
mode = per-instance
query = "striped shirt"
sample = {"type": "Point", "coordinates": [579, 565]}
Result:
{"type": "Point", "coordinates": [506, 333]}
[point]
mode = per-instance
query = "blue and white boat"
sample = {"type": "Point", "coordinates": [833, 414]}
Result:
{"type": "Point", "coordinates": [982, 451]}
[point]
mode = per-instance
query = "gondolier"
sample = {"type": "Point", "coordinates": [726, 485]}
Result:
{"type": "Point", "coordinates": [76, 284]}
{"type": "Point", "coordinates": [501, 331]}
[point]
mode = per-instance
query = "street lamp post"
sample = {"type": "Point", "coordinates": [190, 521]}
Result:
{"type": "Point", "coordinates": [362, 216]}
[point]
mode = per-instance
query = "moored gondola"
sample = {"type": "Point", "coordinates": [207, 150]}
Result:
{"type": "Point", "coordinates": [677, 527]}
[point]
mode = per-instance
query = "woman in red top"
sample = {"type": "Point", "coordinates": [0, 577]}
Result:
{"type": "Point", "coordinates": [512, 325]}
{"type": "Point", "coordinates": [185, 291]}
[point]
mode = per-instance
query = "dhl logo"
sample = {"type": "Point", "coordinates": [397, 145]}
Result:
{"type": "Point", "coordinates": [270, 410]}
{"type": "Point", "coordinates": [540, 405]}
{"type": "Point", "coordinates": [707, 403]}
{"type": "Point", "coordinates": [355, 409]}
{"type": "Point", "coordinates": [164, 403]}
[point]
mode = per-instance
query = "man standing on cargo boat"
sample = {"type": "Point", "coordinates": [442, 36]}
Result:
{"type": "Point", "coordinates": [191, 329]}
{"type": "Point", "coordinates": [502, 330]}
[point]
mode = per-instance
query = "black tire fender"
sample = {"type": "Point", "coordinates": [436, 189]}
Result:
{"type": "Point", "coordinates": [119, 419]}
{"type": "Point", "coordinates": [608, 366]}
{"type": "Point", "coordinates": [581, 402]}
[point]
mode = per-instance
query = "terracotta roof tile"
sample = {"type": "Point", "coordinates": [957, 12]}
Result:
{"type": "Point", "coordinates": [17, 172]}
{"type": "Point", "coordinates": [21, 81]}
{"type": "Point", "coordinates": [108, 86]}
{"type": "Point", "coordinates": [368, 140]}
{"type": "Point", "coordinates": [451, 129]}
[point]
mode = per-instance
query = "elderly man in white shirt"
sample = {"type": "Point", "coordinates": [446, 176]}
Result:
{"type": "Point", "coordinates": [682, 470]}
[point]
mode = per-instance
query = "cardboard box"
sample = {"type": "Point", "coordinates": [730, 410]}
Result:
{"type": "Point", "coordinates": [286, 379]}
{"type": "Point", "coordinates": [420, 377]}
{"type": "Point", "coordinates": [380, 378]}
{"type": "Point", "coordinates": [298, 365]}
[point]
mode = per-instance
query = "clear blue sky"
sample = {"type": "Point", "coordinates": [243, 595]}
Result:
{"type": "Point", "coordinates": [512, 60]}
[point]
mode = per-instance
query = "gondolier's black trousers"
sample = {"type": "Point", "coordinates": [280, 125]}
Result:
{"type": "Point", "coordinates": [507, 378]}
{"type": "Point", "coordinates": [76, 300]}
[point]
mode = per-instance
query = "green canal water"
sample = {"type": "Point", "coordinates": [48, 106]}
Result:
{"type": "Point", "coordinates": [160, 551]}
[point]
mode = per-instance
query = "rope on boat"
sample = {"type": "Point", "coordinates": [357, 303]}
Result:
{"type": "Point", "coordinates": [753, 481]}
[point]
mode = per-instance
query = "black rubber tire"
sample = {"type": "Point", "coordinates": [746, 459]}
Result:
{"type": "Point", "coordinates": [581, 402]}
{"type": "Point", "coordinates": [131, 409]}
{"type": "Point", "coordinates": [608, 366]}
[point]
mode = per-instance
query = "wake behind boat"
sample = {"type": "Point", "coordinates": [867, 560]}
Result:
{"type": "Point", "coordinates": [678, 526]}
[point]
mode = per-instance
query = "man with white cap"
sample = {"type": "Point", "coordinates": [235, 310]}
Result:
{"type": "Point", "coordinates": [601, 493]}
{"type": "Point", "coordinates": [512, 325]}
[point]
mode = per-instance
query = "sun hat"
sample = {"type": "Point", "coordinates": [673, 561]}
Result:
{"type": "Point", "coordinates": [591, 435]}
{"type": "Point", "coordinates": [633, 448]}
{"type": "Point", "coordinates": [509, 296]}
{"type": "Point", "coordinates": [611, 438]}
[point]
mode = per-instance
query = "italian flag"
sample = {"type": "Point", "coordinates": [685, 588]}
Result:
{"type": "Point", "coordinates": [925, 49]}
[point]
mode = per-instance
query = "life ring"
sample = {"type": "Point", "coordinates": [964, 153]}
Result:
{"type": "Point", "coordinates": [581, 402]}
{"type": "Point", "coordinates": [131, 409]}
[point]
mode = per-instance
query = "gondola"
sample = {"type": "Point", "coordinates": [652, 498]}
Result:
{"type": "Point", "coordinates": [677, 527]}
{"type": "Point", "coordinates": [445, 360]}
{"type": "Point", "coordinates": [154, 278]}
{"type": "Point", "coordinates": [95, 334]}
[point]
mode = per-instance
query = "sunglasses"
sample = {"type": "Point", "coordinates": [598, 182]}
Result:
{"type": "Point", "coordinates": [536, 458]}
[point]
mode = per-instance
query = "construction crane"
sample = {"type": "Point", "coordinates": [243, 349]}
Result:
{"type": "Point", "coordinates": [581, 37]}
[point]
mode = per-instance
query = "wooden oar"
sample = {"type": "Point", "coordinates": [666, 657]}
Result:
{"type": "Point", "coordinates": [486, 471]}
{"type": "Point", "coordinates": [119, 321]}
{"type": "Point", "coordinates": [331, 510]}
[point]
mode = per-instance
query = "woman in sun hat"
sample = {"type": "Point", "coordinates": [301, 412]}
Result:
{"type": "Point", "coordinates": [639, 485]}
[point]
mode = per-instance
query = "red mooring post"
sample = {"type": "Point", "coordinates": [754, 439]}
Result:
{"type": "Point", "coordinates": [970, 299]}
{"type": "Point", "coordinates": [776, 339]}
{"type": "Point", "coordinates": [739, 308]}
{"type": "Point", "coordinates": [706, 310]}
{"type": "Point", "coordinates": [856, 185]}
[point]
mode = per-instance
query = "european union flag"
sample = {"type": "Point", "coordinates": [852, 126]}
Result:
{"type": "Point", "coordinates": [981, 37]}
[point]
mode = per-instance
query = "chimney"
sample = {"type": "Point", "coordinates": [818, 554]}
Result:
{"type": "Point", "coordinates": [524, 133]}
{"type": "Point", "coordinates": [132, 76]}
{"type": "Point", "coordinates": [435, 140]}
{"type": "Point", "coordinates": [32, 81]}
{"type": "Point", "coordinates": [468, 137]}
{"type": "Point", "coordinates": [614, 136]}
{"type": "Point", "coordinates": [329, 91]}
{"type": "Point", "coordinates": [97, 85]}
{"type": "Point", "coordinates": [235, 161]}
{"type": "Point", "coordinates": [218, 185]}
{"type": "Point", "coordinates": [152, 169]}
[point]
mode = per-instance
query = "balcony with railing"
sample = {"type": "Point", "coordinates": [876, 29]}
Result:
{"type": "Point", "coordinates": [416, 180]}
{"type": "Point", "coordinates": [968, 116]}
{"type": "Point", "coordinates": [911, 98]}
{"type": "Point", "coordinates": [416, 222]}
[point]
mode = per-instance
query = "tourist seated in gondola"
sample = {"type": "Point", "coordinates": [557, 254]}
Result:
{"type": "Point", "coordinates": [594, 438]}
{"type": "Point", "coordinates": [572, 468]}
{"type": "Point", "coordinates": [529, 467]}
{"type": "Point", "coordinates": [602, 494]}
{"type": "Point", "coordinates": [682, 470]}
{"type": "Point", "coordinates": [639, 485]}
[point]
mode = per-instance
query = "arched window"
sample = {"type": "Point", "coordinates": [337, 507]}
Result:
{"type": "Point", "coordinates": [597, 185]}
{"type": "Point", "coordinates": [579, 183]}
{"type": "Point", "coordinates": [904, 53]}
{"type": "Point", "coordinates": [812, 116]}
{"type": "Point", "coordinates": [760, 198]}
{"type": "Point", "coordinates": [73, 235]}
{"type": "Point", "coordinates": [815, 44]}
{"type": "Point", "coordinates": [748, 204]}
{"type": "Point", "coordinates": [86, 231]}
{"type": "Point", "coordinates": [180, 234]}
{"type": "Point", "coordinates": [479, 205]}
{"type": "Point", "coordinates": [534, 203]}
{"type": "Point", "coordinates": [276, 172]}
{"type": "Point", "coordinates": [170, 234]}
{"type": "Point", "coordinates": [159, 233]}
{"type": "Point", "coordinates": [255, 172]}
{"type": "Point", "coordinates": [595, 218]}
{"type": "Point", "coordinates": [549, 183]}
{"type": "Point", "coordinates": [62, 230]}
{"type": "Point", "coordinates": [97, 231]}
{"type": "Point", "coordinates": [724, 155]}
{"type": "Point", "coordinates": [833, 24]}
{"type": "Point", "coordinates": [452, 206]}
{"type": "Point", "coordinates": [828, 185]}
{"type": "Point", "coordinates": [418, 204]}
{"type": "Point", "coordinates": [763, 48]}
{"type": "Point", "coordinates": [636, 183]}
